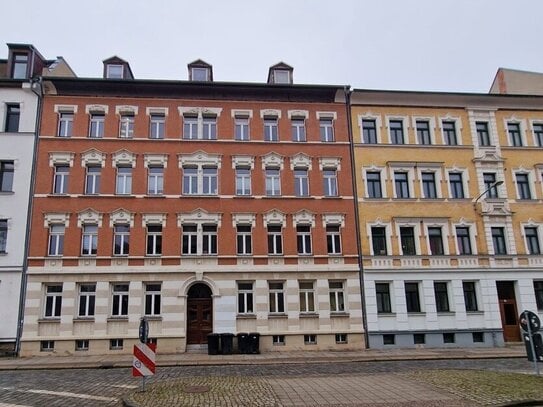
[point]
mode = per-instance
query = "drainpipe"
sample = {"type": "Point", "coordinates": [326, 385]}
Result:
{"type": "Point", "coordinates": [36, 86]}
{"type": "Point", "coordinates": [347, 92]}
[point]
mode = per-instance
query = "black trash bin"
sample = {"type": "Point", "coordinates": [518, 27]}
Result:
{"type": "Point", "coordinates": [243, 342]}
{"type": "Point", "coordinates": [213, 344]}
{"type": "Point", "coordinates": [254, 342]}
{"type": "Point", "coordinates": [538, 346]}
{"type": "Point", "coordinates": [227, 344]}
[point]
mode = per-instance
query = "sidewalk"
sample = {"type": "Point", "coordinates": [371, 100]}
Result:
{"type": "Point", "coordinates": [193, 358]}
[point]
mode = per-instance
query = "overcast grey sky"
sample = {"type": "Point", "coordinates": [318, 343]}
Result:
{"type": "Point", "coordinates": [444, 45]}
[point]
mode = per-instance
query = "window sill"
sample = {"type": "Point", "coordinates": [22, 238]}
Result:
{"type": "Point", "coordinates": [309, 315]}
{"type": "Point", "coordinates": [84, 319]}
{"type": "Point", "coordinates": [49, 320]}
{"type": "Point", "coordinates": [446, 313]}
{"type": "Point", "coordinates": [386, 314]}
{"type": "Point", "coordinates": [277, 316]}
{"type": "Point", "coordinates": [7, 193]}
{"type": "Point", "coordinates": [246, 316]}
{"type": "Point", "coordinates": [3, 253]}
{"type": "Point", "coordinates": [416, 313]}
{"type": "Point", "coordinates": [475, 312]}
{"type": "Point", "coordinates": [153, 317]}
{"type": "Point", "coordinates": [118, 319]}
{"type": "Point", "coordinates": [338, 314]}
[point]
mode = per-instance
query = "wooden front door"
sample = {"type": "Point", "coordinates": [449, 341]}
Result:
{"type": "Point", "coordinates": [199, 314]}
{"type": "Point", "coordinates": [508, 311]}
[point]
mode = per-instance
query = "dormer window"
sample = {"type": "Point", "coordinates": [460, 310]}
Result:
{"type": "Point", "coordinates": [281, 76]}
{"type": "Point", "coordinates": [114, 72]}
{"type": "Point", "coordinates": [20, 66]}
{"type": "Point", "coordinates": [200, 71]}
{"type": "Point", "coordinates": [280, 73]}
{"type": "Point", "coordinates": [200, 74]}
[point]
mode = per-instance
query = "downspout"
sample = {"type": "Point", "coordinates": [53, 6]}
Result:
{"type": "Point", "coordinates": [347, 92]}
{"type": "Point", "coordinates": [35, 84]}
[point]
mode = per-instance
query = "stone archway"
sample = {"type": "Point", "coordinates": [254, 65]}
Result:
{"type": "Point", "coordinates": [199, 314]}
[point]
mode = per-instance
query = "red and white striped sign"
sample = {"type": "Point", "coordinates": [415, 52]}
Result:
{"type": "Point", "coordinates": [144, 359]}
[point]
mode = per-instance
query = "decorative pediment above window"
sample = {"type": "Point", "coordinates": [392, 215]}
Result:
{"type": "Point", "coordinates": [272, 160]}
{"type": "Point", "coordinates": [333, 219]}
{"type": "Point", "coordinates": [126, 109]}
{"type": "Point", "coordinates": [124, 157]}
{"type": "Point", "coordinates": [89, 216]}
{"type": "Point", "coordinates": [199, 216]}
{"type": "Point", "coordinates": [241, 113]}
{"type": "Point", "coordinates": [489, 157]}
{"type": "Point", "coordinates": [65, 108]}
{"type": "Point", "coordinates": [199, 158]}
{"type": "Point", "coordinates": [303, 217]}
{"type": "Point", "coordinates": [330, 162]}
{"type": "Point", "coordinates": [327, 115]}
{"type": "Point", "coordinates": [96, 109]}
{"type": "Point", "coordinates": [153, 219]}
{"type": "Point", "coordinates": [93, 157]}
{"type": "Point", "coordinates": [496, 207]}
{"type": "Point", "coordinates": [300, 160]}
{"type": "Point", "coordinates": [61, 158]}
{"type": "Point", "coordinates": [56, 218]}
{"type": "Point", "coordinates": [159, 160]}
{"type": "Point", "coordinates": [274, 217]}
{"type": "Point", "coordinates": [156, 110]}
{"type": "Point", "coordinates": [297, 114]}
{"type": "Point", "coordinates": [270, 113]}
{"type": "Point", "coordinates": [243, 219]}
{"type": "Point", "coordinates": [243, 161]}
{"type": "Point", "coordinates": [199, 111]}
{"type": "Point", "coordinates": [121, 216]}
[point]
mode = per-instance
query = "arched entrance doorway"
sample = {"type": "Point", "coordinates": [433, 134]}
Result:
{"type": "Point", "coordinates": [199, 314]}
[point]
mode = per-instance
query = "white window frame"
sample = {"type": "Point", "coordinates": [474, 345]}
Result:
{"type": "Point", "coordinates": [199, 219]}
{"type": "Point", "coordinates": [388, 236]}
{"type": "Point", "coordinates": [410, 180]}
{"type": "Point", "coordinates": [522, 130]}
{"type": "Point", "coordinates": [279, 297]}
{"type": "Point", "coordinates": [534, 136]}
{"type": "Point", "coordinates": [122, 296]}
{"type": "Point", "coordinates": [437, 171]}
{"type": "Point", "coordinates": [382, 180]}
{"type": "Point", "coordinates": [123, 180]}
{"type": "Point", "coordinates": [327, 122]}
{"type": "Point", "coordinates": [54, 297]}
{"type": "Point", "coordinates": [412, 223]}
{"type": "Point", "coordinates": [337, 296]}
{"type": "Point", "coordinates": [531, 187]}
{"type": "Point", "coordinates": [246, 307]}
{"type": "Point", "coordinates": [97, 120]}
{"type": "Point", "coordinates": [378, 125]}
{"type": "Point", "coordinates": [92, 179]}
{"type": "Point", "coordinates": [307, 297]}
{"type": "Point", "coordinates": [443, 225]}
{"type": "Point", "coordinates": [539, 229]}
{"type": "Point", "coordinates": [89, 239]}
{"type": "Point", "coordinates": [153, 295]}
{"type": "Point", "coordinates": [86, 296]}
{"type": "Point", "coordinates": [405, 128]}
{"type": "Point", "coordinates": [465, 180]}
{"type": "Point", "coordinates": [472, 236]}
{"type": "Point", "coordinates": [431, 128]}
{"type": "Point", "coordinates": [457, 128]}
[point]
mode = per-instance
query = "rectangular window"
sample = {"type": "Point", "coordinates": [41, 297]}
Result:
{"type": "Point", "coordinates": [124, 181]}
{"type": "Point", "coordinates": [20, 66]}
{"type": "Point", "coordinates": [307, 296]}
{"type": "Point", "coordinates": [89, 241]}
{"type": "Point", "coordinates": [337, 296]}
{"type": "Point", "coordinates": [209, 127]}
{"type": "Point", "coordinates": [244, 240]}
{"type": "Point", "coordinates": [412, 297]}
{"type": "Point", "coordinates": [369, 131]}
{"type": "Point", "coordinates": [523, 186]}
{"type": "Point", "coordinates": [126, 126]}
{"type": "Point", "coordinates": [326, 127]}
{"type": "Point", "coordinates": [379, 240]}
{"type": "Point", "coordinates": [423, 132]}
{"type": "Point", "coordinates": [114, 71]}
{"type": "Point", "coordinates": [463, 240]}
{"type": "Point", "coordinates": [154, 240]}
{"type": "Point", "coordinates": [243, 181]}
{"type": "Point", "coordinates": [407, 239]}
{"type": "Point", "coordinates": [7, 169]}
{"type": "Point", "coordinates": [382, 293]}
{"type": "Point", "coordinates": [278, 340]}
{"type": "Point", "coordinates": [53, 300]}
{"type": "Point", "coordinates": [47, 346]}
{"type": "Point", "coordinates": [298, 129]}
{"type": "Point", "coordinates": [3, 236]}
{"type": "Point", "coordinates": [96, 125]}
{"type": "Point", "coordinates": [241, 128]}
{"type": "Point", "coordinates": [435, 239]}
{"type": "Point", "coordinates": [449, 132]}
{"type": "Point", "coordinates": [489, 180]}
{"type": "Point", "coordinates": [119, 300]}
{"type": "Point", "coordinates": [56, 240]}
{"type": "Point", "coordinates": [514, 134]}
{"type": "Point", "coordinates": [275, 241]}
{"type": "Point", "coordinates": [478, 337]}
{"type": "Point", "coordinates": [155, 180]}
{"type": "Point", "coordinates": [333, 239]}
{"type": "Point", "coordinates": [116, 344]}
{"type": "Point", "coordinates": [121, 240]}
{"type": "Point", "coordinates": [457, 185]}
{"type": "Point", "coordinates": [13, 114]}
{"type": "Point", "coordinates": [532, 240]}
{"type": "Point", "coordinates": [538, 133]}
{"type": "Point", "coordinates": [538, 291]}
{"type": "Point", "coordinates": [389, 339]}
{"type": "Point", "coordinates": [396, 131]}
{"type": "Point", "coordinates": [92, 180]}
{"type": "Point", "coordinates": [152, 298]}
{"type": "Point", "coordinates": [301, 182]}
{"type": "Point", "coordinates": [277, 297]}
{"type": "Point", "coordinates": [87, 300]}
{"type": "Point", "coordinates": [373, 183]}
{"type": "Point", "coordinates": [448, 337]}
{"type": "Point", "coordinates": [310, 339]}
{"type": "Point", "coordinates": [330, 182]}
{"type": "Point", "coordinates": [429, 185]}
{"type": "Point", "coordinates": [442, 297]}
{"type": "Point", "coordinates": [190, 237]}
{"type": "Point", "coordinates": [470, 296]}
{"type": "Point", "coordinates": [245, 298]}
{"type": "Point", "coordinates": [303, 238]}
{"type": "Point", "coordinates": [60, 184]}
{"type": "Point", "coordinates": [157, 123]}
{"type": "Point", "coordinates": [401, 182]}
{"type": "Point", "coordinates": [273, 182]}
{"type": "Point", "coordinates": [209, 181]}
{"type": "Point", "coordinates": [190, 127]}
{"type": "Point", "coordinates": [498, 240]}
{"type": "Point", "coordinates": [190, 180]}
{"type": "Point", "coordinates": [82, 345]}
{"type": "Point", "coordinates": [65, 124]}
{"type": "Point", "coordinates": [419, 339]}
{"type": "Point", "coordinates": [209, 239]}
{"type": "Point", "coordinates": [270, 129]}
{"type": "Point", "coordinates": [482, 133]}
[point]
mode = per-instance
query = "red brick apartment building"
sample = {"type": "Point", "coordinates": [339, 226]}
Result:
{"type": "Point", "coordinates": [204, 206]}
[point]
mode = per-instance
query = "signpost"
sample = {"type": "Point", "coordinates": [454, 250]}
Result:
{"type": "Point", "coordinates": [530, 323]}
{"type": "Point", "coordinates": [143, 364]}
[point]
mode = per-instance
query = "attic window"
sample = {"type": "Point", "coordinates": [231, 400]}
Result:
{"type": "Point", "coordinates": [281, 76]}
{"type": "Point", "coordinates": [200, 74]}
{"type": "Point", "coordinates": [114, 72]}
{"type": "Point", "coordinates": [20, 66]}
